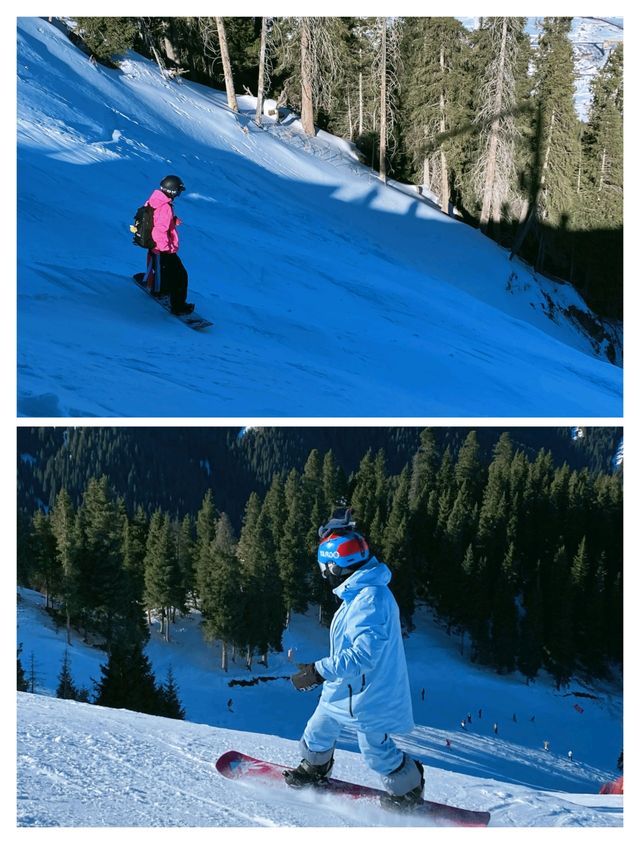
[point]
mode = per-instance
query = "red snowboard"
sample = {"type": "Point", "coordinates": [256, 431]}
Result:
{"type": "Point", "coordinates": [234, 765]}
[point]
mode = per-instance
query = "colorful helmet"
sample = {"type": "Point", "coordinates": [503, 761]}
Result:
{"type": "Point", "coordinates": [340, 554]}
{"type": "Point", "coordinates": [172, 185]}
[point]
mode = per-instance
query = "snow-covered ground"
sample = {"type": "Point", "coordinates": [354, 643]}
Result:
{"type": "Point", "coordinates": [83, 765]}
{"type": "Point", "coordinates": [332, 294]}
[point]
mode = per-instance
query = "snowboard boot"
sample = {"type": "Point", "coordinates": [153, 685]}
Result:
{"type": "Point", "coordinates": [307, 774]}
{"type": "Point", "coordinates": [405, 802]}
{"type": "Point", "coordinates": [181, 310]}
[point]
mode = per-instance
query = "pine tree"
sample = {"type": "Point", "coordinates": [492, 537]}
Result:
{"type": "Point", "coordinates": [530, 645]}
{"type": "Point", "coordinates": [133, 550]}
{"type": "Point", "coordinates": [162, 578]}
{"type": "Point", "coordinates": [312, 500]}
{"type": "Point", "coordinates": [64, 528]}
{"type": "Point", "coordinates": [495, 113]}
{"type": "Point", "coordinates": [557, 132]}
{"type": "Point", "coordinates": [468, 466]}
{"type": "Point", "coordinates": [396, 549]}
{"type": "Point", "coordinates": [504, 621]}
{"type": "Point", "coordinates": [603, 150]}
{"type": "Point", "coordinates": [433, 105]}
{"type": "Point", "coordinates": [205, 532]}
{"type": "Point", "coordinates": [23, 685]}
{"type": "Point", "coordinates": [127, 680]}
{"type": "Point", "coordinates": [108, 37]}
{"type": "Point", "coordinates": [222, 596]}
{"type": "Point", "coordinates": [263, 606]}
{"type": "Point", "coordinates": [66, 688]}
{"type": "Point", "coordinates": [185, 549]}
{"type": "Point", "coordinates": [46, 567]}
{"type": "Point", "coordinates": [600, 212]}
{"type": "Point", "coordinates": [295, 565]}
{"type": "Point", "coordinates": [102, 584]}
{"type": "Point", "coordinates": [169, 701]}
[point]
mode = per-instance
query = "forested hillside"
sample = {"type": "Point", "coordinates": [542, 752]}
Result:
{"type": "Point", "coordinates": [484, 120]}
{"type": "Point", "coordinates": [172, 467]}
{"type": "Point", "coordinates": [516, 551]}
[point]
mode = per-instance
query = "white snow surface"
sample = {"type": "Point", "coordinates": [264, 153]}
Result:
{"type": "Point", "coordinates": [332, 294]}
{"type": "Point", "coordinates": [81, 765]}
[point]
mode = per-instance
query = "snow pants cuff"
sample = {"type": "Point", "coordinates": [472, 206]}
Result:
{"type": "Point", "coordinates": [403, 779]}
{"type": "Point", "coordinates": [315, 757]}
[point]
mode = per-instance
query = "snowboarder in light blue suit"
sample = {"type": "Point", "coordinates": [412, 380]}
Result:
{"type": "Point", "coordinates": [365, 683]}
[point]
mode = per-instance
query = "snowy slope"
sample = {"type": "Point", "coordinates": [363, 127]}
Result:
{"type": "Point", "coordinates": [331, 294]}
{"type": "Point", "coordinates": [82, 765]}
{"type": "Point", "coordinates": [159, 772]}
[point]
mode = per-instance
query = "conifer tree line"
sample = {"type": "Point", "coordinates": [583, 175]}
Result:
{"type": "Point", "coordinates": [484, 120]}
{"type": "Point", "coordinates": [520, 558]}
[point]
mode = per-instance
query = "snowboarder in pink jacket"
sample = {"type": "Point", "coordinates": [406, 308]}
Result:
{"type": "Point", "coordinates": [166, 274]}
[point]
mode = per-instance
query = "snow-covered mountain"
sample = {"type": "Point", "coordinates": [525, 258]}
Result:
{"type": "Point", "coordinates": [84, 765]}
{"type": "Point", "coordinates": [332, 294]}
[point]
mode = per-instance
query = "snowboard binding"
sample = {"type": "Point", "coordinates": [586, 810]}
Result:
{"type": "Point", "coordinates": [306, 774]}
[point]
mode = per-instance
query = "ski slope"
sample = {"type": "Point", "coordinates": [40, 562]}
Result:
{"type": "Point", "coordinates": [332, 294]}
{"type": "Point", "coordinates": [84, 765]}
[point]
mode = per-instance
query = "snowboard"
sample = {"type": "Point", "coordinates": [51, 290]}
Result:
{"type": "Point", "coordinates": [235, 765]}
{"type": "Point", "coordinates": [193, 320]}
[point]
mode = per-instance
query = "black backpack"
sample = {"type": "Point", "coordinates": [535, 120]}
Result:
{"type": "Point", "coordinates": [142, 226]}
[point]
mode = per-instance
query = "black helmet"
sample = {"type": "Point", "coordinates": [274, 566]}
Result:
{"type": "Point", "coordinates": [172, 186]}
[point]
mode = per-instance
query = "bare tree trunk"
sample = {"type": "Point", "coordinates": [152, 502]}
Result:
{"type": "Point", "coordinates": [360, 101]}
{"type": "Point", "coordinates": [488, 198]}
{"type": "Point", "coordinates": [307, 82]}
{"type": "Point", "coordinates": [349, 116]}
{"type": "Point", "coordinates": [226, 64]}
{"type": "Point", "coordinates": [444, 176]}
{"type": "Point", "coordinates": [224, 661]}
{"type": "Point", "coordinates": [169, 49]}
{"type": "Point", "coordinates": [249, 657]}
{"type": "Point", "coordinates": [263, 54]}
{"type": "Point", "coordinates": [383, 104]}
{"type": "Point", "coordinates": [68, 627]}
{"type": "Point", "coordinates": [426, 178]}
{"type": "Point", "coordinates": [602, 169]}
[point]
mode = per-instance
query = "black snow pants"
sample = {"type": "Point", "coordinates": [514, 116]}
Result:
{"type": "Point", "coordinates": [167, 276]}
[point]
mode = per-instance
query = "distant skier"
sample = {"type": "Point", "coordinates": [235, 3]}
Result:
{"type": "Point", "coordinates": [365, 683]}
{"type": "Point", "coordinates": [230, 705]}
{"type": "Point", "coordinates": [495, 729]}
{"type": "Point", "coordinates": [166, 273]}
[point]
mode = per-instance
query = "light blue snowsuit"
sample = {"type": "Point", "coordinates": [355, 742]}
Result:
{"type": "Point", "coordinates": [366, 681]}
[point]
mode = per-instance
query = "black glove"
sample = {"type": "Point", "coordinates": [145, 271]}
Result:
{"type": "Point", "coordinates": [307, 678]}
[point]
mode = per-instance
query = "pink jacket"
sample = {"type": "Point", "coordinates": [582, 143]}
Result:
{"type": "Point", "coordinates": [164, 232]}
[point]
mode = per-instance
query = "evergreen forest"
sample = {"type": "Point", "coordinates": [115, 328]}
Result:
{"type": "Point", "coordinates": [483, 120]}
{"type": "Point", "coordinates": [515, 549]}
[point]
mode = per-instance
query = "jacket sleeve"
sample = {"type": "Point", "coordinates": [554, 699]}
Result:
{"type": "Point", "coordinates": [368, 632]}
{"type": "Point", "coordinates": [162, 219]}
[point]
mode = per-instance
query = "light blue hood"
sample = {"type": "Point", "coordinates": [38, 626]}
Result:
{"type": "Point", "coordinates": [366, 679]}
